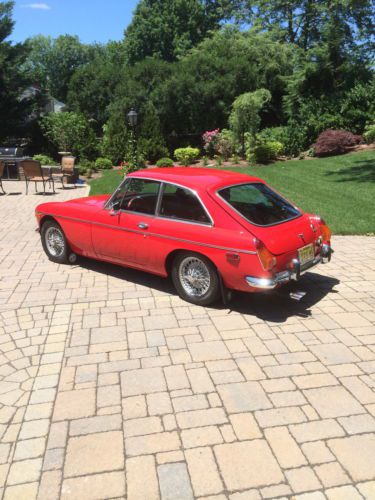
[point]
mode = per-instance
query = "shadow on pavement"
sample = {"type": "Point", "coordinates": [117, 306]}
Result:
{"type": "Point", "coordinates": [275, 306]}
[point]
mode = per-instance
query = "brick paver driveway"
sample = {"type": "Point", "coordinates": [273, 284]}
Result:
{"type": "Point", "coordinates": [113, 387]}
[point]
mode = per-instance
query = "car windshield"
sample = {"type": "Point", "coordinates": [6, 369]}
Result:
{"type": "Point", "coordinates": [259, 204]}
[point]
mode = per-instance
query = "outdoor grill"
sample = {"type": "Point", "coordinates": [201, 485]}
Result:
{"type": "Point", "coordinates": [11, 157]}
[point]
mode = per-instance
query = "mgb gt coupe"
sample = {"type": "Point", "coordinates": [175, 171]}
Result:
{"type": "Point", "coordinates": [211, 231]}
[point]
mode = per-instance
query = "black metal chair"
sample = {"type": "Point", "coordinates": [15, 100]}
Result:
{"type": "Point", "coordinates": [33, 172]}
{"type": "Point", "coordinates": [2, 167]}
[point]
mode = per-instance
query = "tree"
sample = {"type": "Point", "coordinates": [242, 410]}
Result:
{"type": "Point", "coordinates": [167, 29]}
{"type": "Point", "coordinates": [203, 85]}
{"type": "Point", "coordinates": [151, 142]}
{"type": "Point", "coordinates": [52, 62]}
{"type": "Point", "coordinates": [309, 22]}
{"type": "Point", "coordinates": [92, 86]}
{"type": "Point", "coordinates": [245, 115]}
{"type": "Point", "coordinates": [70, 132]}
{"type": "Point", "coordinates": [15, 105]}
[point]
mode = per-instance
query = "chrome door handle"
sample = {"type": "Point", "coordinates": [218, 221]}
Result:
{"type": "Point", "coordinates": [142, 225]}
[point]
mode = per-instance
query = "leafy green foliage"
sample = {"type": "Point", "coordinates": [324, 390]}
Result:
{"type": "Point", "coordinates": [225, 144]}
{"type": "Point", "coordinates": [309, 23]}
{"type": "Point", "coordinates": [92, 86]}
{"type": "Point", "coordinates": [202, 86]}
{"type": "Point", "coordinates": [86, 166]}
{"type": "Point", "coordinates": [164, 162]}
{"type": "Point", "coordinates": [15, 106]}
{"type": "Point", "coordinates": [44, 159]}
{"type": "Point", "coordinates": [245, 115]}
{"type": "Point", "coordinates": [115, 140]}
{"type": "Point", "coordinates": [167, 29]}
{"type": "Point", "coordinates": [52, 62]}
{"type": "Point", "coordinates": [151, 141]}
{"type": "Point", "coordinates": [264, 152]}
{"type": "Point", "coordinates": [183, 67]}
{"type": "Point", "coordinates": [70, 132]}
{"type": "Point", "coordinates": [186, 156]}
{"type": "Point", "coordinates": [103, 163]}
{"type": "Point", "coordinates": [369, 133]}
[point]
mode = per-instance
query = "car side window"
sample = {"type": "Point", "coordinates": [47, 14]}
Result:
{"type": "Point", "coordinates": [141, 196]}
{"type": "Point", "coordinates": [182, 204]}
{"type": "Point", "coordinates": [119, 194]}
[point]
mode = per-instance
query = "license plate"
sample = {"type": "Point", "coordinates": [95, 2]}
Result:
{"type": "Point", "coordinates": [306, 254]}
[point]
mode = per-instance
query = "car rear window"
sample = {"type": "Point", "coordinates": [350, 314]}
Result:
{"type": "Point", "coordinates": [259, 204]}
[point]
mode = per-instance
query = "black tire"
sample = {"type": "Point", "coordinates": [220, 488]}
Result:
{"type": "Point", "coordinates": [61, 252]}
{"type": "Point", "coordinates": [209, 293]}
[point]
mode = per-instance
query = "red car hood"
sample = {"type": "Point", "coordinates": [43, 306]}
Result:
{"type": "Point", "coordinates": [87, 204]}
{"type": "Point", "coordinates": [97, 201]}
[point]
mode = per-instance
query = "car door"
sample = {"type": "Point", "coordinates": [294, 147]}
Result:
{"type": "Point", "coordinates": [121, 230]}
{"type": "Point", "coordinates": [182, 222]}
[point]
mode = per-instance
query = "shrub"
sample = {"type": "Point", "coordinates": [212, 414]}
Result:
{"type": "Point", "coordinates": [103, 164]}
{"type": "Point", "coordinates": [218, 160]}
{"type": "Point", "coordinates": [263, 152]}
{"type": "Point", "coordinates": [210, 138]}
{"type": "Point", "coordinates": [235, 159]}
{"type": "Point", "coordinates": [86, 166]}
{"type": "Point", "coordinates": [272, 134]}
{"type": "Point", "coordinates": [164, 162]}
{"type": "Point", "coordinates": [151, 140]}
{"type": "Point", "coordinates": [186, 156]}
{"type": "Point", "coordinates": [295, 139]}
{"type": "Point", "coordinates": [205, 161]}
{"type": "Point", "coordinates": [70, 131]}
{"type": "Point", "coordinates": [369, 133]}
{"type": "Point", "coordinates": [44, 159]}
{"type": "Point", "coordinates": [334, 142]}
{"type": "Point", "coordinates": [225, 144]}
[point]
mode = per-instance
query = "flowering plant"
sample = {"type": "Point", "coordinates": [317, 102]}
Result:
{"type": "Point", "coordinates": [210, 138]}
{"type": "Point", "coordinates": [123, 168]}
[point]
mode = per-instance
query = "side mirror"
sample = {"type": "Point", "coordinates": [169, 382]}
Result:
{"type": "Point", "coordinates": [115, 208]}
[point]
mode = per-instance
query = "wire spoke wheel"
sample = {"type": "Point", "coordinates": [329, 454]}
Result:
{"type": "Point", "coordinates": [55, 241]}
{"type": "Point", "coordinates": [194, 276]}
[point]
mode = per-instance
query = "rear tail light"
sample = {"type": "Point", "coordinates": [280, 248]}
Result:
{"type": "Point", "coordinates": [267, 259]}
{"type": "Point", "coordinates": [326, 232]}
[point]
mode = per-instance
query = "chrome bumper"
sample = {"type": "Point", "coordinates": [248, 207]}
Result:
{"type": "Point", "coordinates": [292, 274]}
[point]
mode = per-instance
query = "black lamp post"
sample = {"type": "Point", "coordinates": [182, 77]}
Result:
{"type": "Point", "coordinates": [133, 120]}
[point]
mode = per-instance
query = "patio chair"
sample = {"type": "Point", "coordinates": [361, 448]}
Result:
{"type": "Point", "coordinates": [33, 172]}
{"type": "Point", "coordinates": [66, 170]}
{"type": "Point", "coordinates": [2, 167]}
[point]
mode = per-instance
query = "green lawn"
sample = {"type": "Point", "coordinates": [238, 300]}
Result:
{"type": "Point", "coordinates": [341, 189]}
{"type": "Point", "coordinates": [106, 184]}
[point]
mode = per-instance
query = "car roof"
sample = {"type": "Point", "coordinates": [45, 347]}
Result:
{"type": "Point", "coordinates": [195, 178]}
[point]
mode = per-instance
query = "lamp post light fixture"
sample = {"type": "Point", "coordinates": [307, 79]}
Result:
{"type": "Point", "coordinates": [133, 118]}
{"type": "Point", "coordinates": [133, 154]}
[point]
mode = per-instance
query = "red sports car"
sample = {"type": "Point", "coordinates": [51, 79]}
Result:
{"type": "Point", "coordinates": [212, 231]}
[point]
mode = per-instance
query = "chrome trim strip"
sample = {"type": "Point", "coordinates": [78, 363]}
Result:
{"type": "Point", "coordinates": [181, 240]}
{"type": "Point", "coordinates": [248, 220]}
{"type": "Point", "coordinates": [160, 193]}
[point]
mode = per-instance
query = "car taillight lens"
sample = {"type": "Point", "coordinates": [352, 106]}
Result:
{"type": "Point", "coordinates": [326, 232]}
{"type": "Point", "coordinates": [267, 259]}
